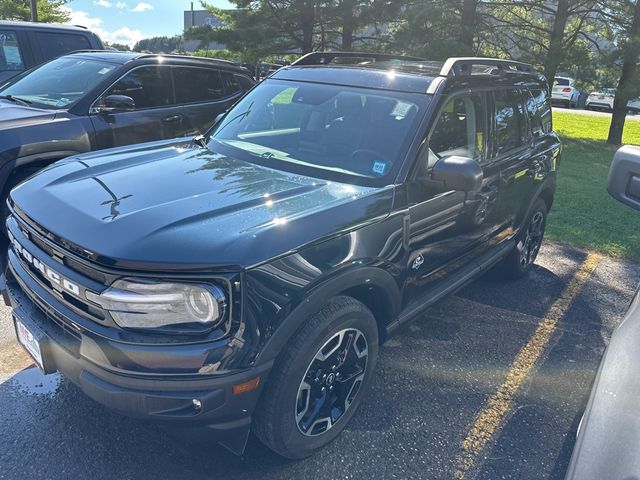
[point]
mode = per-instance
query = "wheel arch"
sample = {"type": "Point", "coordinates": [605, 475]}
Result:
{"type": "Point", "coordinates": [372, 286]}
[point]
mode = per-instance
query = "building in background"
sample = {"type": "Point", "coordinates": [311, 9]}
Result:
{"type": "Point", "coordinates": [199, 18]}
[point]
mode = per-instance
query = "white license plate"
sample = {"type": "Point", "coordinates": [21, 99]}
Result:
{"type": "Point", "coordinates": [29, 342]}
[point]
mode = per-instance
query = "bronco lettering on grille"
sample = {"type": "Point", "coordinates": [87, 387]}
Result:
{"type": "Point", "coordinates": [51, 275]}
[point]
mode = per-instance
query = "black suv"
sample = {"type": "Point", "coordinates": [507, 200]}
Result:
{"type": "Point", "coordinates": [23, 45]}
{"type": "Point", "coordinates": [99, 99]}
{"type": "Point", "coordinates": [249, 280]}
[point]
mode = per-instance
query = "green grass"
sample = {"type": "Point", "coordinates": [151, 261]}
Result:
{"type": "Point", "coordinates": [584, 214]}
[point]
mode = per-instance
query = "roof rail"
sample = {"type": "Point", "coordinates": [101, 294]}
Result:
{"type": "Point", "coordinates": [324, 58]}
{"type": "Point", "coordinates": [191, 57]}
{"type": "Point", "coordinates": [457, 66]}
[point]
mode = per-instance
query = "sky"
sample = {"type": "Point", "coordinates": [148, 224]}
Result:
{"type": "Point", "coordinates": [127, 21]}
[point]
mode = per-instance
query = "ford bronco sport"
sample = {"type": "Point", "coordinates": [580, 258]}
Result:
{"type": "Point", "coordinates": [245, 280]}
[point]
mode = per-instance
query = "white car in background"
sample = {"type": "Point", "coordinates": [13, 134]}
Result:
{"type": "Point", "coordinates": [564, 92]}
{"type": "Point", "coordinates": [603, 99]}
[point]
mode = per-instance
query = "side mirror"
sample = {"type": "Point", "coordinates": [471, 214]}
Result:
{"type": "Point", "coordinates": [624, 176]}
{"type": "Point", "coordinates": [116, 103]}
{"type": "Point", "coordinates": [458, 173]}
{"type": "Point", "coordinates": [219, 117]}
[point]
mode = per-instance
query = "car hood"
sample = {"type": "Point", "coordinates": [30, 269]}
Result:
{"type": "Point", "coordinates": [13, 115]}
{"type": "Point", "coordinates": [174, 206]}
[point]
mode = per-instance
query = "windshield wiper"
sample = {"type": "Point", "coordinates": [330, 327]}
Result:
{"type": "Point", "coordinates": [18, 100]}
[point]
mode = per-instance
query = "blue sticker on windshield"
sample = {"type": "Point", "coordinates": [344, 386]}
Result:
{"type": "Point", "coordinates": [379, 167]}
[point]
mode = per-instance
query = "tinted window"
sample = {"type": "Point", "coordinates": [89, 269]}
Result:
{"type": "Point", "coordinates": [460, 129]}
{"type": "Point", "coordinates": [539, 110]}
{"type": "Point", "coordinates": [148, 86]}
{"type": "Point", "coordinates": [510, 120]}
{"type": "Point", "coordinates": [59, 83]}
{"type": "Point", "coordinates": [10, 56]}
{"type": "Point", "coordinates": [562, 82]}
{"type": "Point", "coordinates": [341, 129]}
{"type": "Point", "coordinates": [198, 85]}
{"type": "Point", "coordinates": [56, 44]}
{"type": "Point", "coordinates": [231, 85]}
{"type": "Point", "coordinates": [245, 83]}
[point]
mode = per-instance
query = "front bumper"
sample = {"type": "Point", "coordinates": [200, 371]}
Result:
{"type": "Point", "coordinates": [166, 398]}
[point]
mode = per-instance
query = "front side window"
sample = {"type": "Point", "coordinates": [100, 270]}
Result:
{"type": "Point", "coordinates": [539, 108]}
{"type": "Point", "coordinates": [326, 128]}
{"type": "Point", "coordinates": [460, 129]}
{"type": "Point", "coordinates": [55, 44]}
{"type": "Point", "coordinates": [59, 83]}
{"type": "Point", "coordinates": [198, 85]}
{"type": "Point", "coordinates": [149, 87]}
{"type": "Point", "coordinates": [10, 56]}
{"type": "Point", "coordinates": [511, 125]}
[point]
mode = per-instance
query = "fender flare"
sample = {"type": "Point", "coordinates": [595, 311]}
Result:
{"type": "Point", "coordinates": [315, 297]}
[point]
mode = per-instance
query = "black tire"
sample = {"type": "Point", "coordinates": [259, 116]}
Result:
{"type": "Point", "coordinates": [276, 421]}
{"type": "Point", "coordinates": [14, 179]}
{"type": "Point", "coordinates": [521, 259]}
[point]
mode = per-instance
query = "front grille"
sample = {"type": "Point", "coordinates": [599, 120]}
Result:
{"type": "Point", "coordinates": [77, 304]}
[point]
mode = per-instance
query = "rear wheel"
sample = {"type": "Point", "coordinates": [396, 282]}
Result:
{"type": "Point", "coordinates": [518, 263]}
{"type": "Point", "coordinates": [317, 384]}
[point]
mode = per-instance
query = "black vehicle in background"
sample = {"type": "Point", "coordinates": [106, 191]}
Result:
{"type": "Point", "coordinates": [24, 45]}
{"type": "Point", "coordinates": [100, 99]}
{"type": "Point", "coordinates": [246, 280]}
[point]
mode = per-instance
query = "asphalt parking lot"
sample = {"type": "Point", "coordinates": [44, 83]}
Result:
{"type": "Point", "coordinates": [432, 381]}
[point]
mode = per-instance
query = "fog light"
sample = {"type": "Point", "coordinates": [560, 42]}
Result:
{"type": "Point", "coordinates": [197, 404]}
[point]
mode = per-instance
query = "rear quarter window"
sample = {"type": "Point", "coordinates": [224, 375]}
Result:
{"type": "Point", "coordinates": [55, 44]}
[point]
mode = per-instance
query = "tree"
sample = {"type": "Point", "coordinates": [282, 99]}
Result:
{"type": "Point", "coordinates": [159, 44]}
{"type": "Point", "coordinates": [49, 11]}
{"type": "Point", "coordinates": [629, 53]}
{"type": "Point", "coordinates": [120, 46]}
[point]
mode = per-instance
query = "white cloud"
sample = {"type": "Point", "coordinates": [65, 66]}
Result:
{"type": "Point", "coordinates": [121, 5]}
{"type": "Point", "coordinates": [103, 3]}
{"type": "Point", "coordinates": [124, 35]}
{"type": "Point", "coordinates": [142, 7]}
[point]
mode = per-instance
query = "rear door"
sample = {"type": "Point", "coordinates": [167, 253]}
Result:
{"type": "Point", "coordinates": [204, 93]}
{"type": "Point", "coordinates": [156, 116]}
{"type": "Point", "coordinates": [514, 153]}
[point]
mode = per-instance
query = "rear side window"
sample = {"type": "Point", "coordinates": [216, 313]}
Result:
{"type": "Point", "coordinates": [231, 85]}
{"type": "Point", "coordinates": [511, 125]}
{"type": "Point", "coordinates": [539, 108]}
{"type": "Point", "coordinates": [148, 86]}
{"type": "Point", "coordinates": [244, 82]}
{"type": "Point", "coordinates": [198, 85]}
{"type": "Point", "coordinates": [10, 56]}
{"type": "Point", "coordinates": [460, 130]}
{"type": "Point", "coordinates": [55, 44]}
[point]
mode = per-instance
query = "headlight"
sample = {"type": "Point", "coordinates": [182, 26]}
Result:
{"type": "Point", "coordinates": [139, 304]}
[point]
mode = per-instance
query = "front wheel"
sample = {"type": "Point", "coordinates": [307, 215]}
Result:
{"type": "Point", "coordinates": [317, 384]}
{"type": "Point", "coordinates": [518, 263]}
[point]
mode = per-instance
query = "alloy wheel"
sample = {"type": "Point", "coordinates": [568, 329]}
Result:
{"type": "Point", "coordinates": [331, 382]}
{"type": "Point", "coordinates": [533, 239]}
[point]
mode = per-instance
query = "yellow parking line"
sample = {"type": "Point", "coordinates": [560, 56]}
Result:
{"type": "Point", "coordinates": [490, 418]}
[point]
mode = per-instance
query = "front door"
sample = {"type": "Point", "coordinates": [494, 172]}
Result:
{"type": "Point", "coordinates": [156, 115]}
{"type": "Point", "coordinates": [447, 228]}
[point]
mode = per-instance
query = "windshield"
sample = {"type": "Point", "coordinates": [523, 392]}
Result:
{"type": "Point", "coordinates": [59, 83]}
{"type": "Point", "coordinates": [327, 128]}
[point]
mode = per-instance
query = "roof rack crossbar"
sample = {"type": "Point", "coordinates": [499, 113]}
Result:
{"type": "Point", "coordinates": [457, 66]}
{"type": "Point", "coordinates": [324, 58]}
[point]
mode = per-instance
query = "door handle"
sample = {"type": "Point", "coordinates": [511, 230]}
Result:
{"type": "Point", "coordinates": [172, 118]}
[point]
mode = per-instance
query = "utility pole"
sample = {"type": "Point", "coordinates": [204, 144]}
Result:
{"type": "Point", "coordinates": [34, 10]}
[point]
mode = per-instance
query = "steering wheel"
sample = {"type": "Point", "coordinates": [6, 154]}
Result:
{"type": "Point", "coordinates": [374, 154]}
